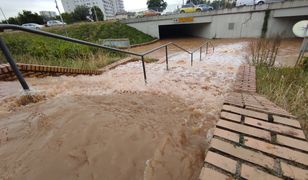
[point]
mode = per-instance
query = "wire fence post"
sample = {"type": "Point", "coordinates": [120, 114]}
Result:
{"type": "Point", "coordinates": [10, 60]}
{"type": "Point", "coordinates": [207, 47]}
{"type": "Point", "coordinates": [144, 73]}
{"type": "Point", "coordinates": [192, 59]}
{"type": "Point", "coordinates": [167, 60]}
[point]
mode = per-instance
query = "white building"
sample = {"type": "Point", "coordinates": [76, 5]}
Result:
{"type": "Point", "coordinates": [48, 14]}
{"type": "Point", "coordinates": [109, 7]}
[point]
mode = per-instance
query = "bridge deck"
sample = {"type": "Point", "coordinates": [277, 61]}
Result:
{"type": "Point", "coordinates": [254, 138]}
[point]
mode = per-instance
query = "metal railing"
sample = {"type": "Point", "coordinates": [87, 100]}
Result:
{"type": "Point", "coordinates": [24, 84]}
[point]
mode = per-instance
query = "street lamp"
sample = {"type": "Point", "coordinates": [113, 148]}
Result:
{"type": "Point", "coordinates": [4, 16]}
{"type": "Point", "coordinates": [61, 17]}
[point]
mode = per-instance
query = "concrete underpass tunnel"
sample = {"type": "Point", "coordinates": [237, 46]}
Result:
{"type": "Point", "coordinates": [183, 30]}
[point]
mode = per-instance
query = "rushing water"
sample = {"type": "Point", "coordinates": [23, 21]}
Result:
{"type": "Point", "coordinates": [113, 125]}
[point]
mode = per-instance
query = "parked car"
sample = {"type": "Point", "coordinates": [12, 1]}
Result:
{"type": "Point", "coordinates": [139, 14]}
{"type": "Point", "coordinates": [151, 13]}
{"type": "Point", "coordinates": [255, 2]}
{"type": "Point", "coordinates": [190, 8]}
{"type": "Point", "coordinates": [167, 13]}
{"type": "Point", "coordinates": [54, 23]}
{"type": "Point", "coordinates": [205, 7]}
{"type": "Point", "coordinates": [32, 26]}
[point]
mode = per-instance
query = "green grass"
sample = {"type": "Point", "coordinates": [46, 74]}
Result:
{"type": "Point", "coordinates": [34, 49]}
{"type": "Point", "coordinates": [288, 88]}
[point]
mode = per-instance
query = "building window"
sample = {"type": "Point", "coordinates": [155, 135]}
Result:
{"type": "Point", "coordinates": [231, 26]}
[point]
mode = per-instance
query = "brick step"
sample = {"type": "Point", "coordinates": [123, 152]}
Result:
{"type": "Point", "coordinates": [32, 70]}
{"type": "Point", "coordinates": [255, 139]}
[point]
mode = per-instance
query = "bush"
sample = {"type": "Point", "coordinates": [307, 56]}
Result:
{"type": "Point", "coordinates": [264, 51]}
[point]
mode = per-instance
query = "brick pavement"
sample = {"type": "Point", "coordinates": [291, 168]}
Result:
{"type": "Point", "coordinates": [254, 138]}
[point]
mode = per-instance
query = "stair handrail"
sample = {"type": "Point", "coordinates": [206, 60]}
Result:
{"type": "Point", "coordinates": [24, 84]}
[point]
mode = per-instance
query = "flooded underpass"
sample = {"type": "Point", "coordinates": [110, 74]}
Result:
{"type": "Point", "coordinates": [113, 126]}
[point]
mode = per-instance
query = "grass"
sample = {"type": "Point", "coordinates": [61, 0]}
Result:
{"type": "Point", "coordinates": [288, 88]}
{"type": "Point", "coordinates": [34, 49]}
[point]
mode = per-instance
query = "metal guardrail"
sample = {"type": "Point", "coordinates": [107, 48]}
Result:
{"type": "Point", "coordinates": [24, 84]}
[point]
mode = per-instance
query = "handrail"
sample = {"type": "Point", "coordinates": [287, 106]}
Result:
{"type": "Point", "coordinates": [25, 86]}
{"type": "Point", "coordinates": [155, 49]}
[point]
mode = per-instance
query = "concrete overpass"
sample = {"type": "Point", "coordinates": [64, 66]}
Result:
{"type": "Point", "coordinates": [247, 21]}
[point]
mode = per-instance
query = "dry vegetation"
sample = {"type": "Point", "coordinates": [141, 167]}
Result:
{"type": "Point", "coordinates": [285, 86]}
{"type": "Point", "coordinates": [264, 51]}
{"type": "Point", "coordinates": [288, 88]}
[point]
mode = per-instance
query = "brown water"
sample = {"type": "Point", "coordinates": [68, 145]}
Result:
{"type": "Point", "coordinates": [113, 126]}
{"type": "Point", "coordinates": [288, 52]}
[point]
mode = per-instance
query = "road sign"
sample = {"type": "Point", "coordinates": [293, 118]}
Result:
{"type": "Point", "coordinates": [185, 19]}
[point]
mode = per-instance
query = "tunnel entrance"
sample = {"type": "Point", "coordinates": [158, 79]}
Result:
{"type": "Point", "coordinates": [183, 30]}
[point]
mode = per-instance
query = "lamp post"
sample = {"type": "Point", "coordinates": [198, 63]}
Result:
{"type": "Point", "coordinates": [4, 16]}
{"type": "Point", "coordinates": [61, 17]}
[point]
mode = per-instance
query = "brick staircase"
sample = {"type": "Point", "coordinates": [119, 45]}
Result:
{"type": "Point", "coordinates": [254, 138]}
{"type": "Point", "coordinates": [32, 70]}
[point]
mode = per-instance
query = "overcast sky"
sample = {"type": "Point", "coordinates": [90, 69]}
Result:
{"type": "Point", "coordinates": [12, 7]}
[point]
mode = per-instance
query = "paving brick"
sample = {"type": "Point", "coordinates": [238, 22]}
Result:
{"type": "Point", "coordinates": [245, 129]}
{"type": "Point", "coordinates": [275, 127]}
{"type": "Point", "coordinates": [221, 161]}
{"type": "Point", "coordinates": [231, 116]}
{"type": "Point", "coordinates": [227, 134]}
{"type": "Point", "coordinates": [293, 143]}
{"type": "Point", "coordinates": [246, 112]}
{"type": "Point", "coordinates": [277, 150]}
{"type": "Point", "coordinates": [294, 172]}
{"type": "Point", "coordinates": [252, 173]}
{"type": "Point", "coordinates": [242, 153]}
{"type": "Point", "coordinates": [207, 173]}
{"type": "Point", "coordinates": [287, 121]}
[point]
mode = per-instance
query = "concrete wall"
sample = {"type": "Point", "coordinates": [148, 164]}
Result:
{"type": "Point", "coordinates": [232, 23]}
{"type": "Point", "coordinates": [244, 25]}
{"type": "Point", "coordinates": [282, 26]}
{"type": "Point", "coordinates": [152, 27]}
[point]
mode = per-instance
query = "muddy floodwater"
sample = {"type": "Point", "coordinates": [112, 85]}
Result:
{"type": "Point", "coordinates": [113, 126]}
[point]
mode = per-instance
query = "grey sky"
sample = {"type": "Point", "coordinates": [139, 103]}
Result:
{"type": "Point", "coordinates": [12, 7]}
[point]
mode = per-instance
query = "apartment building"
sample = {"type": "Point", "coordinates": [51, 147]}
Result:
{"type": "Point", "coordinates": [48, 14]}
{"type": "Point", "coordinates": [109, 7]}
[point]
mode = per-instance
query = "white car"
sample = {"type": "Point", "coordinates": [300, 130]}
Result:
{"type": "Point", "coordinates": [55, 23]}
{"type": "Point", "coordinates": [255, 2]}
{"type": "Point", "coordinates": [32, 26]}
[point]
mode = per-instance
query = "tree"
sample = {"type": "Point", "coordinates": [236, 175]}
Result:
{"type": "Point", "coordinates": [67, 18]}
{"type": "Point", "coordinates": [157, 5]}
{"type": "Point", "coordinates": [25, 17]}
{"type": "Point", "coordinates": [194, 2]}
{"type": "Point", "coordinates": [29, 17]}
{"type": "Point", "coordinates": [96, 11]}
{"type": "Point", "coordinates": [81, 13]}
{"type": "Point", "coordinates": [12, 20]}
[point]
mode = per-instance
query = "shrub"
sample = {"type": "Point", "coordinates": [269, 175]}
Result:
{"type": "Point", "coordinates": [264, 51]}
